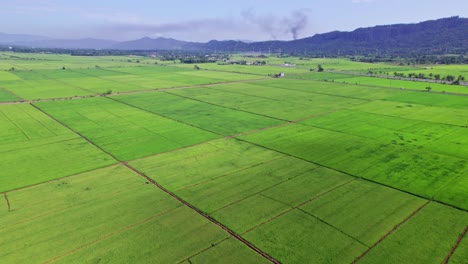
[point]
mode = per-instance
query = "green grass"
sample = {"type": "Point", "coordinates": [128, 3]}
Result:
{"type": "Point", "coordinates": [35, 149]}
{"type": "Point", "coordinates": [426, 238]}
{"type": "Point", "coordinates": [214, 118]}
{"type": "Point", "coordinates": [126, 132]}
{"type": "Point", "coordinates": [364, 210]}
{"type": "Point", "coordinates": [297, 237]}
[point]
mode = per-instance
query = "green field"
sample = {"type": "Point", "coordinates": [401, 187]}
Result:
{"type": "Point", "coordinates": [131, 159]}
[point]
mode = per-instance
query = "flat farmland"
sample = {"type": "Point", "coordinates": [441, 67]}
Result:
{"type": "Point", "coordinates": [35, 148]}
{"type": "Point", "coordinates": [132, 159]}
{"type": "Point", "coordinates": [217, 119]}
{"type": "Point", "coordinates": [126, 132]}
{"type": "Point", "coordinates": [98, 210]}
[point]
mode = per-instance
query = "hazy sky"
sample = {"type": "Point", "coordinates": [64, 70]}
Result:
{"type": "Point", "coordinates": [203, 20]}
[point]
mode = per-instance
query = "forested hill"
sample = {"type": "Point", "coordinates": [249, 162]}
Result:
{"type": "Point", "coordinates": [442, 36]}
{"type": "Point", "coordinates": [435, 37]}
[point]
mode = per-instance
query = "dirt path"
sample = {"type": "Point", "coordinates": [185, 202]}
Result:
{"type": "Point", "coordinates": [7, 201]}
{"type": "Point", "coordinates": [460, 238]}
{"type": "Point", "coordinates": [391, 232]}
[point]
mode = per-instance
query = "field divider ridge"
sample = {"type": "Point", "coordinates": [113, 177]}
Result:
{"type": "Point", "coordinates": [7, 201]}
{"type": "Point", "coordinates": [94, 94]}
{"type": "Point", "coordinates": [379, 87]}
{"type": "Point", "coordinates": [10, 92]}
{"type": "Point", "coordinates": [230, 108]}
{"type": "Point", "coordinates": [202, 251]}
{"type": "Point", "coordinates": [358, 259]}
{"type": "Point", "coordinates": [455, 246]}
{"type": "Point", "coordinates": [206, 216]}
{"type": "Point", "coordinates": [209, 218]}
{"type": "Point", "coordinates": [294, 207]}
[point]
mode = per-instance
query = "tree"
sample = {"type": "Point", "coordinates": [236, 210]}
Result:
{"type": "Point", "coordinates": [319, 68]}
{"type": "Point", "coordinates": [428, 88]}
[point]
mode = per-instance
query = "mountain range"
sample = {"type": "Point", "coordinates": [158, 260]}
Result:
{"type": "Point", "coordinates": [446, 35]}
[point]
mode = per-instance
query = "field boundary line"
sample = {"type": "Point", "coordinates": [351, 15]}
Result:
{"type": "Point", "coordinates": [203, 251]}
{"type": "Point", "coordinates": [332, 226]}
{"type": "Point", "coordinates": [11, 93]}
{"type": "Point", "coordinates": [455, 246]}
{"type": "Point", "coordinates": [57, 179]}
{"type": "Point", "coordinates": [358, 259]}
{"type": "Point", "coordinates": [379, 87]}
{"type": "Point", "coordinates": [221, 137]}
{"type": "Point", "coordinates": [292, 208]}
{"type": "Point", "coordinates": [230, 108]}
{"type": "Point", "coordinates": [260, 192]}
{"type": "Point", "coordinates": [94, 94]}
{"type": "Point", "coordinates": [206, 216]}
{"type": "Point", "coordinates": [7, 201]}
{"type": "Point", "coordinates": [315, 92]}
{"type": "Point", "coordinates": [118, 231]}
{"type": "Point", "coordinates": [78, 133]}
{"type": "Point", "coordinates": [19, 128]}
{"type": "Point", "coordinates": [229, 173]}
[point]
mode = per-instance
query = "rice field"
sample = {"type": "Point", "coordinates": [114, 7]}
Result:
{"type": "Point", "coordinates": [120, 159]}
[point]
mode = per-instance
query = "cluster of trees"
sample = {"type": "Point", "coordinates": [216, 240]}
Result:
{"type": "Point", "coordinates": [449, 78]}
{"type": "Point", "coordinates": [413, 59]}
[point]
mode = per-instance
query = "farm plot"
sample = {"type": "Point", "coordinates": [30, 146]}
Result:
{"type": "Point", "coordinates": [404, 84]}
{"type": "Point", "coordinates": [235, 190]}
{"type": "Point", "coordinates": [440, 138]}
{"type": "Point", "coordinates": [43, 89]}
{"type": "Point", "coordinates": [334, 89]}
{"type": "Point", "coordinates": [364, 210]}
{"type": "Point", "coordinates": [461, 253]}
{"type": "Point", "coordinates": [425, 238]}
{"type": "Point", "coordinates": [35, 149]}
{"type": "Point", "coordinates": [431, 99]}
{"type": "Point", "coordinates": [7, 96]}
{"type": "Point", "coordinates": [455, 192]}
{"type": "Point", "coordinates": [297, 237]}
{"type": "Point", "coordinates": [409, 169]}
{"type": "Point", "coordinates": [214, 118]}
{"type": "Point", "coordinates": [443, 115]}
{"type": "Point", "coordinates": [275, 108]}
{"type": "Point", "coordinates": [109, 215]}
{"type": "Point", "coordinates": [122, 130]}
{"type": "Point", "coordinates": [102, 80]}
{"type": "Point", "coordinates": [267, 70]}
{"type": "Point", "coordinates": [246, 214]}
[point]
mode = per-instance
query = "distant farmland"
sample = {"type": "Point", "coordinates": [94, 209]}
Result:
{"type": "Point", "coordinates": [105, 160]}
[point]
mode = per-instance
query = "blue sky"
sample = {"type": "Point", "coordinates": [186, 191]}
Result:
{"type": "Point", "coordinates": [204, 20]}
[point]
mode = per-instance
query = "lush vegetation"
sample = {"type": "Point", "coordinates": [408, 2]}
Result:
{"type": "Point", "coordinates": [118, 159]}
